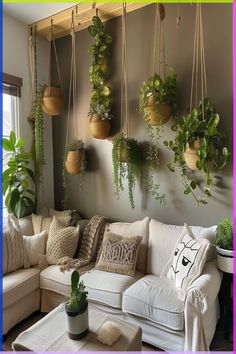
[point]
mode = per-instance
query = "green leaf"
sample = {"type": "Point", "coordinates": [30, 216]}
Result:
{"type": "Point", "coordinates": [74, 280]}
{"type": "Point", "coordinates": [20, 208]}
{"type": "Point", "coordinates": [187, 190]}
{"type": "Point", "coordinates": [14, 198]}
{"type": "Point", "coordinates": [31, 173]}
{"type": "Point", "coordinates": [12, 138]}
{"type": "Point", "coordinates": [19, 143]}
{"type": "Point", "coordinates": [7, 145]}
{"type": "Point", "coordinates": [30, 191]}
{"type": "Point", "coordinates": [92, 30]}
{"type": "Point", "coordinates": [193, 185]}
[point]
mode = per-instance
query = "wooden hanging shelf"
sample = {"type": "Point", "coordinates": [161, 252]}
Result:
{"type": "Point", "coordinates": [83, 14]}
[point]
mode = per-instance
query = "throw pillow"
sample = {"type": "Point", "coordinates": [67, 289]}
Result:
{"type": "Point", "coordinates": [188, 260]}
{"type": "Point", "coordinates": [14, 251]}
{"type": "Point", "coordinates": [119, 254]}
{"type": "Point", "coordinates": [53, 212]}
{"type": "Point", "coordinates": [62, 241]}
{"type": "Point", "coordinates": [40, 223]}
{"type": "Point", "coordinates": [35, 246]}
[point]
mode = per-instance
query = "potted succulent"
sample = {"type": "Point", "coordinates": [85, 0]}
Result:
{"type": "Point", "coordinates": [53, 101]}
{"type": "Point", "coordinates": [157, 99]}
{"type": "Point", "coordinates": [224, 246]}
{"type": "Point", "coordinates": [199, 145]}
{"type": "Point", "coordinates": [76, 308]}
{"type": "Point", "coordinates": [126, 160]}
{"type": "Point", "coordinates": [100, 102]}
{"type": "Point", "coordinates": [17, 177]}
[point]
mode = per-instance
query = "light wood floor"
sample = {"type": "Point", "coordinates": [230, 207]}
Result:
{"type": "Point", "coordinates": [218, 344]}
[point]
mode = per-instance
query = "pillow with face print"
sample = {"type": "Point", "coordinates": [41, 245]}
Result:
{"type": "Point", "coordinates": [188, 260]}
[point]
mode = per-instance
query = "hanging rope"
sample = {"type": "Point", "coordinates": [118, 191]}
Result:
{"type": "Point", "coordinates": [199, 63]}
{"type": "Point", "coordinates": [124, 88]}
{"type": "Point", "coordinates": [178, 17]}
{"type": "Point", "coordinates": [53, 47]}
{"type": "Point", "coordinates": [72, 85]}
{"type": "Point", "coordinates": [159, 41]}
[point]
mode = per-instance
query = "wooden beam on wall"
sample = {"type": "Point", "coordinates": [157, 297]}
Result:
{"type": "Point", "coordinates": [83, 14]}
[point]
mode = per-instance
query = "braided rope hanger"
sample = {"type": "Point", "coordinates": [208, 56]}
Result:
{"type": "Point", "coordinates": [159, 45]}
{"type": "Point", "coordinates": [199, 63]}
{"type": "Point", "coordinates": [124, 87]}
{"type": "Point", "coordinates": [53, 47]}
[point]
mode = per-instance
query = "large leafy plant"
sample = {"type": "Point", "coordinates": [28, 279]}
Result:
{"type": "Point", "coordinates": [100, 102]}
{"type": "Point", "coordinates": [127, 168]}
{"type": "Point", "coordinates": [77, 302]}
{"type": "Point", "coordinates": [200, 125]}
{"type": "Point", "coordinates": [17, 177]}
{"type": "Point", "coordinates": [225, 235]}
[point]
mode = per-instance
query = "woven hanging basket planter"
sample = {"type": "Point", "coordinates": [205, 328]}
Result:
{"type": "Point", "coordinates": [99, 128]}
{"type": "Point", "coordinates": [53, 102]}
{"type": "Point", "coordinates": [158, 114]}
{"type": "Point", "coordinates": [191, 155]}
{"type": "Point", "coordinates": [73, 162]}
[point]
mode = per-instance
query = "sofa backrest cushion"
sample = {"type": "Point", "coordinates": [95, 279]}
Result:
{"type": "Point", "coordinates": [26, 226]}
{"type": "Point", "coordinates": [137, 228]}
{"type": "Point", "coordinates": [163, 239]}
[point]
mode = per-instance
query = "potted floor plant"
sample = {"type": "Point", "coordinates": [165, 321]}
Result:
{"type": "Point", "coordinates": [53, 100]}
{"type": "Point", "coordinates": [199, 145]}
{"type": "Point", "coordinates": [100, 101]}
{"type": "Point", "coordinates": [126, 161]}
{"type": "Point", "coordinates": [17, 178]}
{"type": "Point", "coordinates": [224, 246]}
{"type": "Point", "coordinates": [76, 308]}
{"type": "Point", "coordinates": [157, 99]}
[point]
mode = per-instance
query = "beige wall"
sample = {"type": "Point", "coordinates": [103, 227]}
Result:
{"type": "Point", "coordinates": [98, 193]}
{"type": "Point", "coordinates": [16, 62]}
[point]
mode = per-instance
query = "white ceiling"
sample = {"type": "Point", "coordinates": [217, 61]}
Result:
{"type": "Point", "coordinates": [32, 12]}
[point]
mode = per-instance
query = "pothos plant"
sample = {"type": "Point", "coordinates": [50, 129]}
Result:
{"type": "Point", "coordinates": [100, 102]}
{"type": "Point", "coordinates": [17, 178]}
{"type": "Point", "coordinates": [38, 147]}
{"type": "Point", "coordinates": [126, 164]}
{"type": "Point", "coordinates": [74, 145]}
{"type": "Point", "coordinates": [157, 101]}
{"type": "Point", "coordinates": [200, 126]}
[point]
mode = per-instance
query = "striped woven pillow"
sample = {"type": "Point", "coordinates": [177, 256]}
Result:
{"type": "Point", "coordinates": [14, 251]}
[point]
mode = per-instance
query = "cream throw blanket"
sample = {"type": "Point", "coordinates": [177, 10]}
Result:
{"type": "Point", "coordinates": [91, 242]}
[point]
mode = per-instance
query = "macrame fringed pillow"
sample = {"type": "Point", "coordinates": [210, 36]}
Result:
{"type": "Point", "coordinates": [188, 261]}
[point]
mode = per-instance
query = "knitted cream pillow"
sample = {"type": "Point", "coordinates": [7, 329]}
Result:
{"type": "Point", "coordinates": [62, 241]}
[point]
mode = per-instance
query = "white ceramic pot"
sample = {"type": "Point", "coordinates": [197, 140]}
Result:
{"type": "Point", "coordinates": [77, 326]}
{"type": "Point", "coordinates": [225, 260]}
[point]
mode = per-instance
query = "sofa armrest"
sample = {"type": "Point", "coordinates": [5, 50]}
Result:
{"type": "Point", "coordinates": [204, 290]}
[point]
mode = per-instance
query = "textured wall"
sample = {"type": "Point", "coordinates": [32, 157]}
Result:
{"type": "Point", "coordinates": [98, 193]}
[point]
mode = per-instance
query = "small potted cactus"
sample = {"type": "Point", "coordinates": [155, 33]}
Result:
{"type": "Point", "coordinates": [76, 308]}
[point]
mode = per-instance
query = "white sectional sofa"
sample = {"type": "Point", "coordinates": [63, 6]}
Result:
{"type": "Point", "coordinates": [148, 299]}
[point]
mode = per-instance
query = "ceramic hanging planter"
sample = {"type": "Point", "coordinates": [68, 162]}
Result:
{"type": "Point", "coordinates": [191, 155]}
{"type": "Point", "coordinates": [99, 128]}
{"type": "Point", "coordinates": [158, 114]}
{"type": "Point", "coordinates": [53, 101]}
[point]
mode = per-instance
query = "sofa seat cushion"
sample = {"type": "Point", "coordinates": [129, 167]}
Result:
{"type": "Point", "coordinates": [18, 284]}
{"type": "Point", "coordinates": [51, 278]}
{"type": "Point", "coordinates": [107, 288]}
{"type": "Point", "coordinates": [155, 299]}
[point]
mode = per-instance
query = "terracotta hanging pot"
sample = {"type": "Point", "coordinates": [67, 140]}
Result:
{"type": "Point", "coordinates": [159, 114]}
{"type": "Point", "coordinates": [191, 155]}
{"type": "Point", "coordinates": [99, 128]}
{"type": "Point", "coordinates": [73, 162]}
{"type": "Point", "coordinates": [53, 102]}
{"type": "Point", "coordinates": [123, 153]}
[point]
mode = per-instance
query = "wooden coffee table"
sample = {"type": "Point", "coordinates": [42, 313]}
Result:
{"type": "Point", "coordinates": [49, 334]}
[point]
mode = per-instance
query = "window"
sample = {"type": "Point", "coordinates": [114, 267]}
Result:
{"type": "Point", "coordinates": [10, 103]}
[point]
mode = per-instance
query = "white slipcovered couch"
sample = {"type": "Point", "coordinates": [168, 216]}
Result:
{"type": "Point", "coordinates": [147, 299]}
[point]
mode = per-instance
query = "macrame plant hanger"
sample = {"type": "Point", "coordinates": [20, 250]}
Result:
{"type": "Point", "coordinates": [199, 64]}
{"type": "Point", "coordinates": [159, 42]}
{"type": "Point", "coordinates": [54, 49]}
{"type": "Point", "coordinates": [125, 124]}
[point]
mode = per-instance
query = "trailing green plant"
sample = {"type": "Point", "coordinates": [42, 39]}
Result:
{"type": "Point", "coordinates": [74, 145]}
{"type": "Point", "coordinates": [17, 177]}
{"type": "Point", "coordinates": [100, 102]}
{"type": "Point", "coordinates": [225, 234]}
{"type": "Point", "coordinates": [163, 91]}
{"type": "Point", "coordinates": [77, 302]}
{"type": "Point", "coordinates": [200, 125]}
{"type": "Point", "coordinates": [128, 148]}
{"type": "Point", "coordinates": [38, 148]}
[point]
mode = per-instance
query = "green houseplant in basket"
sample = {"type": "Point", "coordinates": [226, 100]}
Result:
{"type": "Point", "coordinates": [17, 177]}
{"type": "Point", "coordinates": [199, 145]}
{"type": "Point", "coordinates": [126, 164]}
{"type": "Point", "coordinates": [76, 308]}
{"type": "Point", "coordinates": [224, 245]}
{"type": "Point", "coordinates": [100, 101]}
